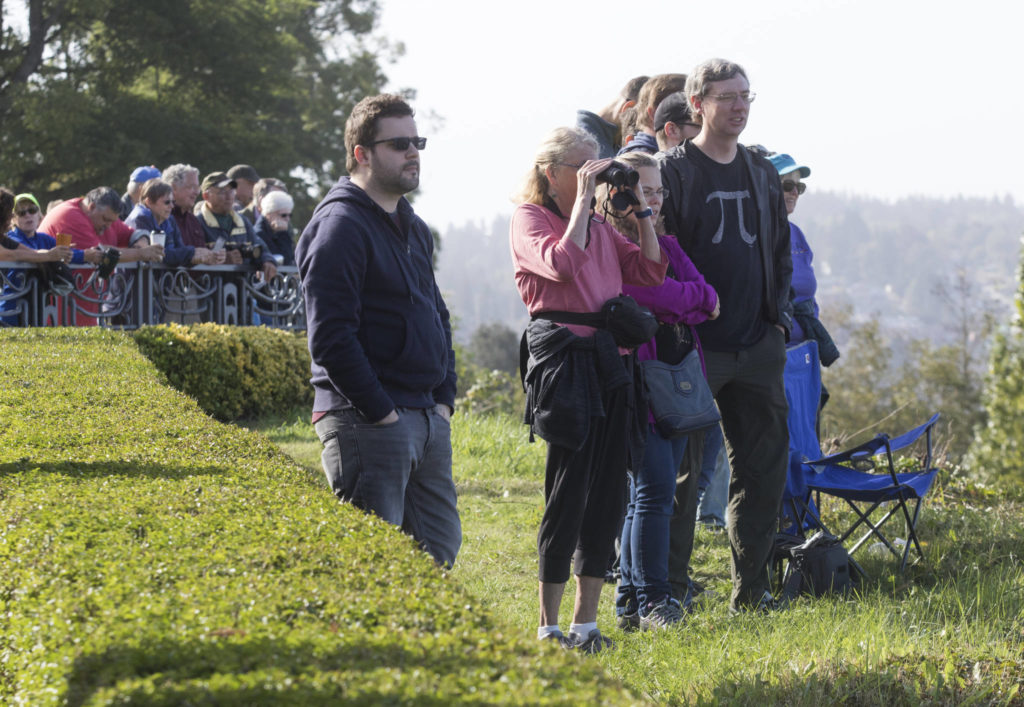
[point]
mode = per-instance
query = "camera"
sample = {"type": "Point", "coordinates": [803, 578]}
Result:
{"type": "Point", "coordinates": [622, 178]}
{"type": "Point", "coordinates": [108, 261]}
{"type": "Point", "coordinates": [247, 250]}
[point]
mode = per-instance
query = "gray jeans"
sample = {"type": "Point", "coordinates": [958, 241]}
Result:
{"type": "Point", "coordinates": [401, 472]}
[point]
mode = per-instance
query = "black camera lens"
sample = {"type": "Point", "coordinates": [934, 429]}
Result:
{"type": "Point", "coordinates": [619, 175]}
{"type": "Point", "coordinates": [623, 178]}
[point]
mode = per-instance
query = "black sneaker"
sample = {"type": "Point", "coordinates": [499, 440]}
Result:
{"type": "Point", "coordinates": [664, 614]}
{"type": "Point", "coordinates": [593, 643]}
{"type": "Point", "coordinates": [628, 622]}
{"type": "Point", "coordinates": [767, 604]}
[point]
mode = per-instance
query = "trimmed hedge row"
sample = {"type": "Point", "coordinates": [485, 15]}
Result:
{"type": "Point", "coordinates": [232, 372]}
{"type": "Point", "coordinates": [151, 555]}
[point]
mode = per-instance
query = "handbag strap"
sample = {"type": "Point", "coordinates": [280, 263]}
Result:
{"type": "Point", "coordinates": [594, 319]}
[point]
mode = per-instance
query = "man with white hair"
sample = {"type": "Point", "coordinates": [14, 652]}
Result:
{"type": "Point", "coordinates": [184, 181]}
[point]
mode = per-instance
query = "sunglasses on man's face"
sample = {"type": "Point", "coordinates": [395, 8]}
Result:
{"type": "Point", "coordinates": [789, 185]}
{"type": "Point", "coordinates": [27, 210]}
{"type": "Point", "coordinates": [401, 144]}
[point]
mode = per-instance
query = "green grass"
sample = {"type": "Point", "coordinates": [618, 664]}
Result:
{"type": "Point", "coordinates": [949, 631]}
{"type": "Point", "coordinates": [151, 555]}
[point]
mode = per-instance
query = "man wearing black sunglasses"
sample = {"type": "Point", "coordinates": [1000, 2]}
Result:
{"type": "Point", "coordinates": [379, 335]}
{"type": "Point", "coordinates": [726, 206]}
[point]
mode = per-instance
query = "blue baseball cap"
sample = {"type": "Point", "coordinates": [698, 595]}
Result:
{"type": "Point", "coordinates": [144, 174]}
{"type": "Point", "coordinates": [784, 164]}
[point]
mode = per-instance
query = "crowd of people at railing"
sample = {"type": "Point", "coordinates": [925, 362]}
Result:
{"type": "Point", "coordinates": [170, 217]}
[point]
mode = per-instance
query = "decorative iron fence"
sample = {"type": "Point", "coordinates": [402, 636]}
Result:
{"type": "Point", "coordinates": [145, 293]}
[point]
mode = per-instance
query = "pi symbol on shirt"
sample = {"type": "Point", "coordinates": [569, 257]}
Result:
{"type": "Point", "coordinates": [737, 197]}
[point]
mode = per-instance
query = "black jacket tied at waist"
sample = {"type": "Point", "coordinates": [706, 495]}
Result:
{"type": "Point", "coordinates": [565, 376]}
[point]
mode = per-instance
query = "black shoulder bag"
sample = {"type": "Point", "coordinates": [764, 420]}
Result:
{"type": "Point", "coordinates": [628, 323]}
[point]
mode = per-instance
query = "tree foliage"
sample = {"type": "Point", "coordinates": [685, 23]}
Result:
{"type": "Point", "coordinates": [998, 451]}
{"type": "Point", "coordinates": [888, 382]}
{"type": "Point", "coordinates": [495, 346]}
{"type": "Point", "coordinates": [93, 88]}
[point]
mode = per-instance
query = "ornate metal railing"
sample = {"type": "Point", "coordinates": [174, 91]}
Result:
{"type": "Point", "coordinates": [144, 293]}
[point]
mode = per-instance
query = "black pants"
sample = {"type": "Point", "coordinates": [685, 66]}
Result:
{"type": "Point", "coordinates": [585, 496]}
{"type": "Point", "coordinates": [749, 389]}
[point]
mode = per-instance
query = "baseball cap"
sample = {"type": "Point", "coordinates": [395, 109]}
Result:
{"type": "Point", "coordinates": [144, 174]}
{"type": "Point", "coordinates": [244, 171]}
{"type": "Point", "coordinates": [218, 179]}
{"type": "Point", "coordinates": [784, 164]}
{"type": "Point", "coordinates": [674, 109]}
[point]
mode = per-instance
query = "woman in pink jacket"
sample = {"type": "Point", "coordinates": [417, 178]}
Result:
{"type": "Point", "coordinates": [567, 260]}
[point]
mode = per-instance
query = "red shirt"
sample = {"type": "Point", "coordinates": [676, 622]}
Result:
{"type": "Point", "coordinates": [70, 217]}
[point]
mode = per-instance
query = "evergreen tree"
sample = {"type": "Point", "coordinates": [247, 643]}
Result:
{"type": "Point", "coordinates": [998, 450]}
{"type": "Point", "coordinates": [93, 88]}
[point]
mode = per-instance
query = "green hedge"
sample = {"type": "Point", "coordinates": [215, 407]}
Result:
{"type": "Point", "coordinates": [232, 372]}
{"type": "Point", "coordinates": [150, 555]}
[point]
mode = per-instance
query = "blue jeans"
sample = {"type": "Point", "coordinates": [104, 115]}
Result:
{"type": "Point", "coordinates": [713, 486]}
{"type": "Point", "coordinates": [643, 555]}
{"type": "Point", "coordinates": [401, 472]}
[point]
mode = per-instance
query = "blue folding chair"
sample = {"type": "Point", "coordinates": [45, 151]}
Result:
{"type": "Point", "coordinates": [798, 514]}
{"type": "Point", "coordinates": [802, 380]}
{"type": "Point", "coordinates": [847, 475]}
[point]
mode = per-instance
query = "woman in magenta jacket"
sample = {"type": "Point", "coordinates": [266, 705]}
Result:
{"type": "Point", "coordinates": [644, 597]}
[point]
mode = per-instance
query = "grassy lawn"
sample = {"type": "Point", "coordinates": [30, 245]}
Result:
{"type": "Point", "coordinates": [950, 631]}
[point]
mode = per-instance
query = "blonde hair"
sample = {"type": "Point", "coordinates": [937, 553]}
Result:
{"type": "Point", "coordinates": [556, 145]}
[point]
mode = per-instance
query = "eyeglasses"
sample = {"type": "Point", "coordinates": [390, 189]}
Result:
{"type": "Point", "coordinates": [27, 210]}
{"type": "Point", "coordinates": [401, 144]}
{"type": "Point", "coordinates": [789, 185]}
{"type": "Point", "coordinates": [663, 193]}
{"type": "Point", "coordinates": [745, 97]}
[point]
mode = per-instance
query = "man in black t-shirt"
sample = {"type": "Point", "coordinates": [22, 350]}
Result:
{"type": "Point", "coordinates": [726, 208]}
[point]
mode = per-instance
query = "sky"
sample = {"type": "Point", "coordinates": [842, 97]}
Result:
{"type": "Point", "coordinates": [879, 98]}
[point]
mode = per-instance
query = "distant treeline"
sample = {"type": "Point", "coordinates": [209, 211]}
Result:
{"type": "Point", "coordinates": [883, 260]}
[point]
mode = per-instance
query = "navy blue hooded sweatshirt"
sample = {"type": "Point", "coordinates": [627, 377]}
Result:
{"type": "Point", "coordinates": [379, 332]}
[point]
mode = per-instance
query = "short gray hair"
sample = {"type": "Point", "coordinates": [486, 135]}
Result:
{"type": "Point", "coordinates": [708, 71]}
{"type": "Point", "coordinates": [104, 198]}
{"type": "Point", "coordinates": [176, 173]}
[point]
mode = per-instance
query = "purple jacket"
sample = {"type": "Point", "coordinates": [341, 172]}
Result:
{"type": "Point", "coordinates": [687, 298]}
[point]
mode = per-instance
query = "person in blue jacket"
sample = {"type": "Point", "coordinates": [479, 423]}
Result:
{"type": "Point", "coordinates": [153, 213]}
{"type": "Point", "coordinates": [41, 248]}
{"type": "Point", "coordinates": [806, 322]}
{"type": "Point", "coordinates": [379, 335]}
